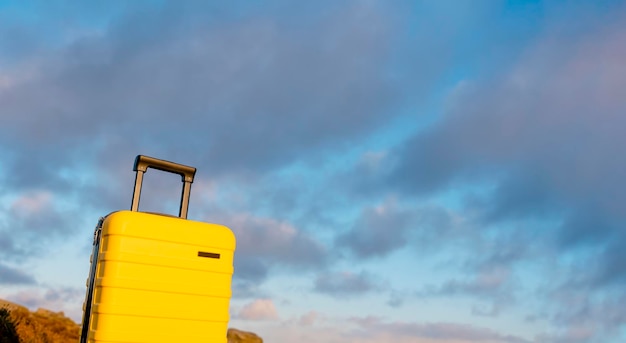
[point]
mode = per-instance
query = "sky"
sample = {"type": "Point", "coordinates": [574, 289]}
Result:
{"type": "Point", "coordinates": [394, 171]}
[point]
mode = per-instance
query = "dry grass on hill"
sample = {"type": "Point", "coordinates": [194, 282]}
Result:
{"type": "Point", "coordinates": [41, 326]}
{"type": "Point", "coordinates": [44, 326]}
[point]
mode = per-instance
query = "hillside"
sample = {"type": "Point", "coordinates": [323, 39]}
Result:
{"type": "Point", "coordinates": [45, 326]}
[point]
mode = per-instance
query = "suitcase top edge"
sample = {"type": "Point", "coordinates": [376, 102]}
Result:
{"type": "Point", "coordinates": [170, 228]}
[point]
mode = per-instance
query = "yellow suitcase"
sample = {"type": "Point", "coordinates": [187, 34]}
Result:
{"type": "Point", "coordinates": [158, 278]}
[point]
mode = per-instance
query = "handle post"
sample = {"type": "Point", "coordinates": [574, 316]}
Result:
{"type": "Point", "coordinates": [137, 190]}
{"type": "Point", "coordinates": [184, 200]}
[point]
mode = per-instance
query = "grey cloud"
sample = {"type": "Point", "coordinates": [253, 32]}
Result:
{"type": "Point", "coordinates": [247, 94]}
{"type": "Point", "coordinates": [250, 269]}
{"type": "Point", "coordinates": [541, 120]}
{"type": "Point", "coordinates": [242, 93]}
{"type": "Point", "coordinates": [383, 229]}
{"type": "Point", "coordinates": [235, 95]}
{"type": "Point", "coordinates": [583, 300]}
{"type": "Point", "coordinates": [231, 95]}
{"type": "Point", "coordinates": [277, 242]}
{"type": "Point", "coordinates": [494, 287]}
{"type": "Point", "coordinates": [7, 242]}
{"type": "Point", "coordinates": [541, 139]}
{"type": "Point", "coordinates": [588, 226]}
{"type": "Point", "coordinates": [37, 213]}
{"type": "Point", "coordinates": [247, 289]}
{"type": "Point", "coordinates": [583, 319]}
{"type": "Point", "coordinates": [63, 299]}
{"type": "Point", "coordinates": [366, 178]}
{"type": "Point", "coordinates": [522, 195]}
{"type": "Point", "coordinates": [501, 248]}
{"type": "Point", "coordinates": [227, 89]}
{"type": "Point", "coordinates": [483, 284]}
{"type": "Point", "coordinates": [612, 271]}
{"type": "Point", "coordinates": [397, 298]}
{"type": "Point", "coordinates": [266, 246]}
{"type": "Point", "coordinates": [63, 294]}
{"type": "Point", "coordinates": [22, 38]}
{"type": "Point", "coordinates": [20, 41]}
{"type": "Point", "coordinates": [377, 232]}
{"type": "Point", "coordinates": [13, 276]}
{"type": "Point", "coordinates": [31, 222]}
{"type": "Point", "coordinates": [541, 143]}
{"type": "Point", "coordinates": [345, 283]}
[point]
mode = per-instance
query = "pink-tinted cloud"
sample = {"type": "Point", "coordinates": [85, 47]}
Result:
{"type": "Point", "coordinates": [268, 240]}
{"type": "Point", "coordinates": [376, 330]}
{"type": "Point", "coordinates": [309, 318]}
{"type": "Point", "coordinates": [32, 204]}
{"type": "Point", "coordinates": [64, 299]}
{"type": "Point", "coordinates": [259, 309]}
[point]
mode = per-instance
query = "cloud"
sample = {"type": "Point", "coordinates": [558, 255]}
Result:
{"type": "Point", "coordinates": [31, 205]}
{"type": "Point", "coordinates": [393, 225]}
{"type": "Point", "coordinates": [309, 318]}
{"type": "Point", "coordinates": [486, 283]}
{"type": "Point", "coordinates": [379, 231]}
{"type": "Point", "coordinates": [239, 94]}
{"type": "Point", "coordinates": [234, 95]}
{"type": "Point", "coordinates": [64, 299]}
{"type": "Point", "coordinates": [531, 152]}
{"type": "Point", "coordinates": [265, 246]}
{"type": "Point", "coordinates": [545, 125]}
{"type": "Point", "coordinates": [13, 276]}
{"type": "Point", "coordinates": [396, 298]}
{"type": "Point", "coordinates": [259, 90]}
{"type": "Point", "coordinates": [259, 309]}
{"type": "Point", "coordinates": [345, 284]}
{"type": "Point", "coordinates": [250, 269]}
{"type": "Point", "coordinates": [555, 111]}
{"type": "Point", "coordinates": [378, 330]}
{"type": "Point", "coordinates": [32, 220]}
{"type": "Point", "coordinates": [246, 288]}
{"type": "Point", "coordinates": [495, 285]}
{"type": "Point", "coordinates": [372, 329]}
{"type": "Point", "coordinates": [438, 332]}
{"type": "Point", "coordinates": [7, 243]}
{"type": "Point", "coordinates": [271, 240]}
{"type": "Point", "coordinates": [584, 318]}
{"type": "Point", "coordinates": [37, 212]}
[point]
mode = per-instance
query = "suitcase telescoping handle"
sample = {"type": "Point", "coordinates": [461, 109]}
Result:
{"type": "Point", "coordinates": [142, 163]}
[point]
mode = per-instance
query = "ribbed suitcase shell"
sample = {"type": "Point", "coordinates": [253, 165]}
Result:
{"type": "Point", "coordinates": [161, 279]}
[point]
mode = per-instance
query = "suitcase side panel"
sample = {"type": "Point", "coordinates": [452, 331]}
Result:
{"type": "Point", "coordinates": [87, 304]}
{"type": "Point", "coordinates": [153, 284]}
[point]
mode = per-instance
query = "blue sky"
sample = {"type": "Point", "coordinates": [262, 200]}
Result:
{"type": "Point", "coordinates": [406, 171]}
